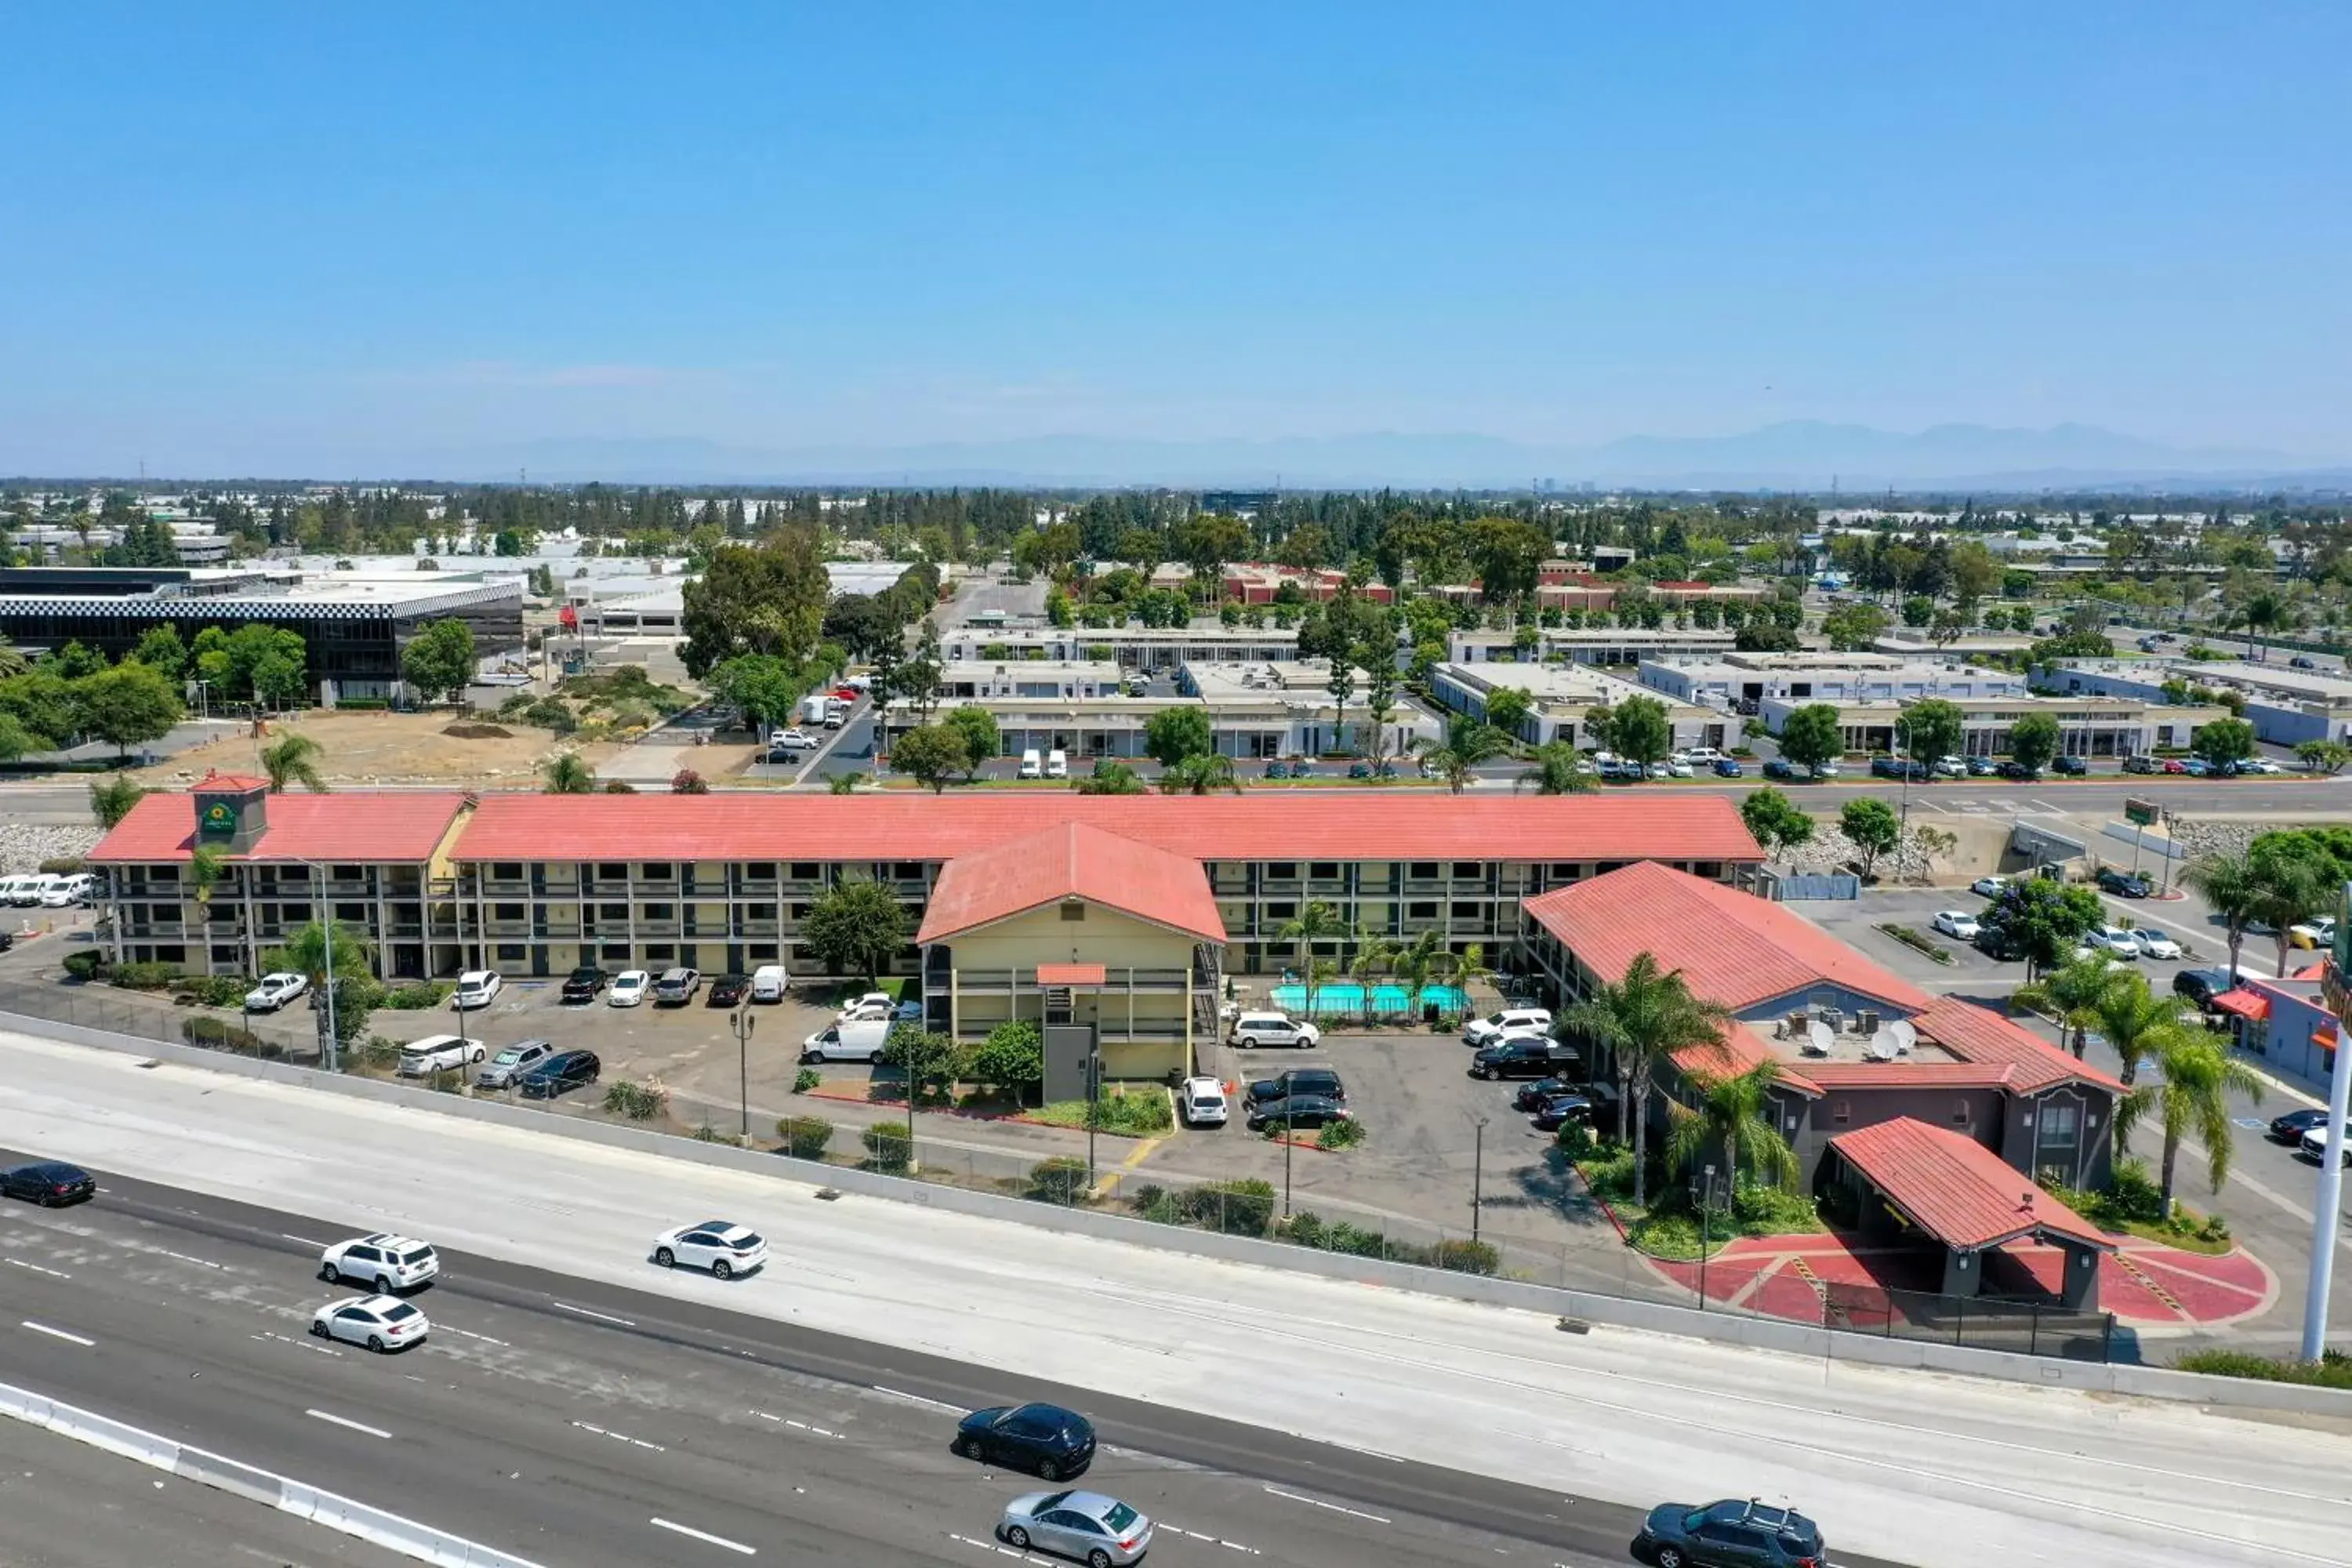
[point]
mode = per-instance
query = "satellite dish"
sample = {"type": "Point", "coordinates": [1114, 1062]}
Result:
{"type": "Point", "coordinates": [1821, 1035]}
{"type": "Point", "coordinates": [1882, 1045]}
{"type": "Point", "coordinates": [1905, 1033]}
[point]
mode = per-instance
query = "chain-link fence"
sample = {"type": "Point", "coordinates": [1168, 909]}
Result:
{"type": "Point", "coordinates": [2023, 1328]}
{"type": "Point", "coordinates": [164, 1014]}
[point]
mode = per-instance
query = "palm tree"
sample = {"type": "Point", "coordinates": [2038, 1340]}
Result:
{"type": "Point", "coordinates": [845, 784]}
{"type": "Point", "coordinates": [566, 773]}
{"type": "Point", "coordinates": [2200, 1076]}
{"type": "Point", "coordinates": [2230, 889]}
{"type": "Point", "coordinates": [2287, 892]}
{"type": "Point", "coordinates": [1318, 921]}
{"type": "Point", "coordinates": [1320, 972]}
{"type": "Point", "coordinates": [1416, 963]}
{"type": "Point", "coordinates": [2137, 1022]}
{"type": "Point", "coordinates": [1457, 761]}
{"type": "Point", "coordinates": [1641, 1020]}
{"type": "Point", "coordinates": [1734, 1113]}
{"type": "Point", "coordinates": [1372, 954]}
{"type": "Point", "coordinates": [1469, 968]}
{"type": "Point", "coordinates": [206, 865]}
{"type": "Point", "coordinates": [1558, 769]}
{"type": "Point", "coordinates": [293, 759]}
{"type": "Point", "coordinates": [13, 661]}
{"type": "Point", "coordinates": [2075, 991]}
{"type": "Point", "coordinates": [2265, 612]}
{"type": "Point", "coordinates": [1203, 774]}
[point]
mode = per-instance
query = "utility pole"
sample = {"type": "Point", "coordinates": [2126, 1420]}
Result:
{"type": "Point", "coordinates": [1094, 1107]}
{"type": "Point", "coordinates": [744, 1023]}
{"type": "Point", "coordinates": [1477, 1177]}
{"type": "Point", "coordinates": [2329, 1209]}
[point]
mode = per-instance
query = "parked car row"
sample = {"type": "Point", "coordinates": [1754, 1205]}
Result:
{"type": "Point", "coordinates": [48, 890]}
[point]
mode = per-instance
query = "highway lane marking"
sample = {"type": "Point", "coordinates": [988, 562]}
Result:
{"type": "Point", "coordinates": [1237, 1546]}
{"type": "Point", "coordinates": [1354, 1449]}
{"type": "Point", "coordinates": [305, 1240]}
{"type": "Point", "coordinates": [788, 1421]}
{"type": "Point", "coordinates": [600, 1317]}
{"type": "Point", "coordinates": [339, 1421]}
{"type": "Point", "coordinates": [20, 1263]}
{"type": "Point", "coordinates": [299, 1344]}
{"type": "Point", "coordinates": [199, 1262]}
{"type": "Point", "coordinates": [914, 1399]}
{"type": "Point", "coordinates": [56, 1333]}
{"type": "Point", "coordinates": [468, 1333]}
{"type": "Point", "coordinates": [1319, 1503]}
{"type": "Point", "coordinates": [705, 1535]}
{"type": "Point", "coordinates": [621, 1437]}
{"type": "Point", "coordinates": [1000, 1548]}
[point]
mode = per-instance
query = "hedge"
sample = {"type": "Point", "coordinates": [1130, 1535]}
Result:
{"type": "Point", "coordinates": [804, 1137]}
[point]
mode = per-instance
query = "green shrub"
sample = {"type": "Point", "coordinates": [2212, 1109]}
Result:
{"type": "Point", "coordinates": [706, 1133]}
{"type": "Point", "coordinates": [637, 1101]}
{"type": "Point", "coordinates": [804, 1137]}
{"type": "Point", "coordinates": [888, 1146]}
{"type": "Point", "coordinates": [61, 865]}
{"type": "Point", "coordinates": [1059, 1180]}
{"type": "Point", "coordinates": [1769, 1210]}
{"type": "Point", "coordinates": [144, 976]}
{"type": "Point", "coordinates": [806, 1079]}
{"type": "Point", "coordinates": [86, 965]}
{"type": "Point", "coordinates": [448, 1080]}
{"type": "Point", "coordinates": [1240, 1207]}
{"type": "Point", "coordinates": [1145, 1111]}
{"type": "Point", "coordinates": [218, 1035]}
{"type": "Point", "coordinates": [1467, 1257]}
{"type": "Point", "coordinates": [1304, 1228]}
{"type": "Point", "coordinates": [417, 995]}
{"type": "Point", "coordinates": [214, 990]}
{"type": "Point", "coordinates": [381, 1053]}
{"type": "Point", "coordinates": [2333, 1370]}
{"type": "Point", "coordinates": [2132, 1195]}
{"type": "Point", "coordinates": [1575, 1142]}
{"type": "Point", "coordinates": [1668, 1235]}
{"type": "Point", "coordinates": [1344, 1133]}
{"type": "Point", "coordinates": [1610, 1172]}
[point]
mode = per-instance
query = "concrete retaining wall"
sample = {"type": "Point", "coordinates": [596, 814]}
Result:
{"type": "Point", "coordinates": [1656, 1317]}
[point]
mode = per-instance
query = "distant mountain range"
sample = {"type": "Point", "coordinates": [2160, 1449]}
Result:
{"type": "Point", "coordinates": [1797, 455]}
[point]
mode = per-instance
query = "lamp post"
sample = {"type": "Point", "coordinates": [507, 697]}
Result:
{"type": "Point", "coordinates": [2329, 1207]}
{"type": "Point", "coordinates": [1289, 1126]}
{"type": "Point", "coordinates": [1705, 1231]}
{"type": "Point", "coordinates": [744, 1023]}
{"type": "Point", "coordinates": [1094, 1107]}
{"type": "Point", "coordinates": [330, 1042]}
{"type": "Point", "coordinates": [1478, 1177]}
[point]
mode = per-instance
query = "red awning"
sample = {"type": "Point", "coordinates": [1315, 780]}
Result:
{"type": "Point", "coordinates": [1069, 975]}
{"type": "Point", "coordinates": [2250, 1005]}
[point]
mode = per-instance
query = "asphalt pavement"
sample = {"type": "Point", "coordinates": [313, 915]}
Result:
{"type": "Point", "coordinates": [573, 1422]}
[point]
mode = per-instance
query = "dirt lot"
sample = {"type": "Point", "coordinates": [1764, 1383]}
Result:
{"type": "Point", "coordinates": [381, 748]}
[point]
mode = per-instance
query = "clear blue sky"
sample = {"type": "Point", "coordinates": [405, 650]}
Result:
{"type": "Point", "coordinates": [311, 239]}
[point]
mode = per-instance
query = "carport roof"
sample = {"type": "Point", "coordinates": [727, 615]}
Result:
{"type": "Point", "coordinates": [1957, 1190]}
{"type": "Point", "coordinates": [1071, 860]}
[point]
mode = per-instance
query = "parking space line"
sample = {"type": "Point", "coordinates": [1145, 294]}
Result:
{"type": "Point", "coordinates": [1319, 1503]}
{"type": "Point", "coordinates": [20, 1263]}
{"type": "Point", "coordinates": [57, 1333]}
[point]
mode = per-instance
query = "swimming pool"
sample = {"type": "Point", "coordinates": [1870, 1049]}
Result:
{"type": "Point", "coordinates": [1345, 998]}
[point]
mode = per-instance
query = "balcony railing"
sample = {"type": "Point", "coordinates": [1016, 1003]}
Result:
{"type": "Point", "coordinates": [995, 982]}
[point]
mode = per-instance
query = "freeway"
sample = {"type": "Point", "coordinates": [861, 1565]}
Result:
{"type": "Point", "coordinates": [1913, 1467]}
{"type": "Point", "coordinates": [66, 1505]}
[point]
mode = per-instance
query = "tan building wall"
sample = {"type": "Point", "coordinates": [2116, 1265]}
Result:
{"type": "Point", "coordinates": [1143, 1010]}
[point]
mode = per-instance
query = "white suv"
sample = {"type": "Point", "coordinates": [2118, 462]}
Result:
{"type": "Point", "coordinates": [1202, 1101]}
{"type": "Point", "coordinates": [1486, 1031]}
{"type": "Point", "coordinates": [475, 988]}
{"type": "Point", "coordinates": [1252, 1030]}
{"type": "Point", "coordinates": [439, 1053]}
{"type": "Point", "coordinates": [386, 1261]}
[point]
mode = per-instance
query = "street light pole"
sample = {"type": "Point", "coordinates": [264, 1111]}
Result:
{"type": "Point", "coordinates": [744, 1023]}
{"type": "Point", "coordinates": [1290, 1130]}
{"type": "Point", "coordinates": [2329, 1207]}
{"type": "Point", "coordinates": [1094, 1109]}
{"type": "Point", "coordinates": [1705, 1232]}
{"type": "Point", "coordinates": [1477, 1177]}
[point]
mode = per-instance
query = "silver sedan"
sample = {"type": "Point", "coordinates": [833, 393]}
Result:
{"type": "Point", "coordinates": [1100, 1532]}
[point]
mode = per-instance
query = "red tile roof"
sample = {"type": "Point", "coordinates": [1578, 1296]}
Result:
{"type": "Point", "coordinates": [1734, 948]}
{"type": "Point", "coordinates": [1739, 1050]}
{"type": "Point", "coordinates": [2025, 1062]}
{"type": "Point", "coordinates": [1273, 826]}
{"type": "Point", "coordinates": [359, 826]}
{"type": "Point", "coordinates": [1955, 1189]}
{"type": "Point", "coordinates": [237, 782]}
{"type": "Point", "coordinates": [1071, 859]}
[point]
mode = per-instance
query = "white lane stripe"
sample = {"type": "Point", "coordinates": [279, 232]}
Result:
{"type": "Point", "coordinates": [470, 1333]}
{"type": "Point", "coordinates": [20, 1263]}
{"type": "Point", "coordinates": [600, 1317]}
{"type": "Point", "coordinates": [56, 1333]}
{"type": "Point", "coordinates": [915, 1399]}
{"type": "Point", "coordinates": [1318, 1502]}
{"type": "Point", "coordinates": [303, 1239]}
{"type": "Point", "coordinates": [620, 1436]}
{"type": "Point", "coordinates": [339, 1421]}
{"type": "Point", "coordinates": [199, 1262]}
{"type": "Point", "coordinates": [707, 1536]}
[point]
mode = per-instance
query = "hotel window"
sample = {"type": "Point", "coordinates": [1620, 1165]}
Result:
{"type": "Point", "coordinates": [661, 911]}
{"type": "Point", "coordinates": [758, 911]}
{"type": "Point", "coordinates": [1324, 870]}
{"type": "Point", "coordinates": [661, 952]}
{"type": "Point", "coordinates": [1959, 1113]}
{"type": "Point", "coordinates": [351, 873]}
{"type": "Point", "coordinates": [657, 871]}
{"type": "Point", "coordinates": [1282, 871]}
{"type": "Point", "coordinates": [1421, 912]}
{"type": "Point", "coordinates": [353, 913]}
{"type": "Point", "coordinates": [613, 911]}
{"type": "Point", "coordinates": [501, 871]}
{"type": "Point", "coordinates": [1422, 871]}
{"type": "Point", "coordinates": [506, 911]}
{"type": "Point", "coordinates": [805, 871]}
{"type": "Point", "coordinates": [907, 871]}
{"type": "Point", "coordinates": [799, 911]}
{"type": "Point", "coordinates": [611, 873]}
{"type": "Point", "coordinates": [1564, 870]}
{"type": "Point", "coordinates": [1281, 911]}
{"type": "Point", "coordinates": [1842, 1112]}
{"type": "Point", "coordinates": [760, 872]}
{"type": "Point", "coordinates": [1469, 871]}
{"type": "Point", "coordinates": [1466, 911]}
{"type": "Point", "coordinates": [510, 952]}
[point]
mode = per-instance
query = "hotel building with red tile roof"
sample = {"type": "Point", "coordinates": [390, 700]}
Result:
{"type": "Point", "coordinates": [1853, 1044]}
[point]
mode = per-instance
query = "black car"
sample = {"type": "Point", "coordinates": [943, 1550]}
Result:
{"type": "Point", "coordinates": [1531, 1095]}
{"type": "Point", "coordinates": [2300, 662]}
{"type": "Point", "coordinates": [2289, 1129]}
{"type": "Point", "coordinates": [1557, 1111]}
{"type": "Point", "coordinates": [1779, 768]}
{"type": "Point", "coordinates": [1981, 768]}
{"type": "Point", "coordinates": [2202, 985]}
{"type": "Point", "coordinates": [2016, 770]}
{"type": "Point", "coordinates": [1896, 768]}
{"type": "Point", "coordinates": [563, 1070]}
{"type": "Point", "coordinates": [1053, 1442]}
{"type": "Point", "coordinates": [2074, 767]}
{"type": "Point", "coordinates": [727, 990]}
{"type": "Point", "coordinates": [583, 984]}
{"type": "Point", "coordinates": [52, 1183]}
{"type": "Point", "coordinates": [1318, 1081]}
{"type": "Point", "coordinates": [1531, 1056]}
{"type": "Point", "coordinates": [1728, 1534]}
{"type": "Point", "coordinates": [1295, 1110]}
{"type": "Point", "coordinates": [2124, 884]}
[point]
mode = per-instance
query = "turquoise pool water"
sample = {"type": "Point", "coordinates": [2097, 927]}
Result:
{"type": "Point", "coordinates": [1345, 998]}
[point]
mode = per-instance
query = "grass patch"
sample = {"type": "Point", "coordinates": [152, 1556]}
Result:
{"type": "Point", "coordinates": [2333, 1370]}
{"type": "Point", "coordinates": [1918, 941]}
{"type": "Point", "coordinates": [1130, 1114]}
{"type": "Point", "coordinates": [1670, 1227]}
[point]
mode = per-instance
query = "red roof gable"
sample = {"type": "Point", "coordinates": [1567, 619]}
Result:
{"type": "Point", "coordinates": [239, 782]}
{"type": "Point", "coordinates": [1273, 825]}
{"type": "Point", "coordinates": [2028, 1063]}
{"type": "Point", "coordinates": [1071, 859]}
{"type": "Point", "coordinates": [1955, 1189]}
{"type": "Point", "coordinates": [363, 826]}
{"type": "Point", "coordinates": [1735, 949]}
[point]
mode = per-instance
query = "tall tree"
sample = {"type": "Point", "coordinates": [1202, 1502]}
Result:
{"type": "Point", "coordinates": [1468, 745]}
{"type": "Point", "coordinates": [1173, 734]}
{"type": "Point", "coordinates": [293, 759]}
{"type": "Point", "coordinates": [1641, 1021]}
{"type": "Point", "coordinates": [764, 598]}
{"type": "Point", "coordinates": [127, 705]}
{"type": "Point", "coordinates": [2228, 883]}
{"type": "Point", "coordinates": [856, 927]}
{"type": "Point", "coordinates": [1318, 921]}
{"type": "Point", "coordinates": [1558, 770]}
{"type": "Point", "coordinates": [1775, 822]}
{"type": "Point", "coordinates": [1811, 736]}
{"type": "Point", "coordinates": [931, 755]}
{"type": "Point", "coordinates": [1871, 826]}
{"type": "Point", "coordinates": [1734, 1114]}
{"type": "Point", "coordinates": [1204, 772]}
{"type": "Point", "coordinates": [2191, 1097]}
{"type": "Point", "coordinates": [111, 798]}
{"type": "Point", "coordinates": [1932, 728]}
{"type": "Point", "coordinates": [440, 660]}
{"type": "Point", "coordinates": [567, 773]}
{"type": "Point", "coordinates": [2034, 741]}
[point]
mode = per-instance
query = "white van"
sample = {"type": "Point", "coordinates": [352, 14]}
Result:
{"type": "Point", "coordinates": [768, 983]}
{"type": "Point", "coordinates": [26, 889]}
{"type": "Point", "coordinates": [1057, 763]}
{"type": "Point", "coordinates": [1252, 1030]}
{"type": "Point", "coordinates": [1031, 765]}
{"type": "Point", "coordinates": [858, 1041]}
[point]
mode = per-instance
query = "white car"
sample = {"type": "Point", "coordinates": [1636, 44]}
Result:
{"type": "Point", "coordinates": [67, 891]}
{"type": "Point", "coordinates": [275, 990]}
{"type": "Point", "coordinates": [1708, 754]}
{"type": "Point", "coordinates": [629, 988]}
{"type": "Point", "coordinates": [475, 988]}
{"type": "Point", "coordinates": [1989, 886]}
{"type": "Point", "coordinates": [2314, 1144]}
{"type": "Point", "coordinates": [2115, 941]}
{"type": "Point", "coordinates": [795, 739]}
{"type": "Point", "coordinates": [2259, 765]}
{"type": "Point", "coordinates": [391, 1263]}
{"type": "Point", "coordinates": [439, 1052]}
{"type": "Point", "coordinates": [1951, 768]}
{"type": "Point", "coordinates": [2155, 943]}
{"type": "Point", "coordinates": [1202, 1103]}
{"type": "Point", "coordinates": [1957, 923]}
{"type": "Point", "coordinates": [872, 1004]}
{"type": "Point", "coordinates": [2316, 933]}
{"type": "Point", "coordinates": [720, 1246]}
{"type": "Point", "coordinates": [1824, 770]}
{"type": "Point", "coordinates": [1491, 1028]}
{"type": "Point", "coordinates": [1057, 763]}
{"type": "Point", "coordinates": [379, 1322]}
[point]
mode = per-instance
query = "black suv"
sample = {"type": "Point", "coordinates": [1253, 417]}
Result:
{"type": "Point", "coordinates": [727, 990]}
{"type": "Point", "coordinates": [1728, 1534]}
{"type": "Point", "coordinates": [1295, 1110]}
{"type": "Point", "coordinates": [1053, 1442]}
{"type": "Point", "coordinates": [1529, 1056]}
{"type": "Point", "coordinates": [2074, 767]}
{"type": "Point", "coordinates": [2202, 985]}
{"type": "Point", "coordinates": [583, 984]}
{"type": "Point", "coordinates": [1321, 1082]}
{"type": "Point", "coordinates": [564, 1069]}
